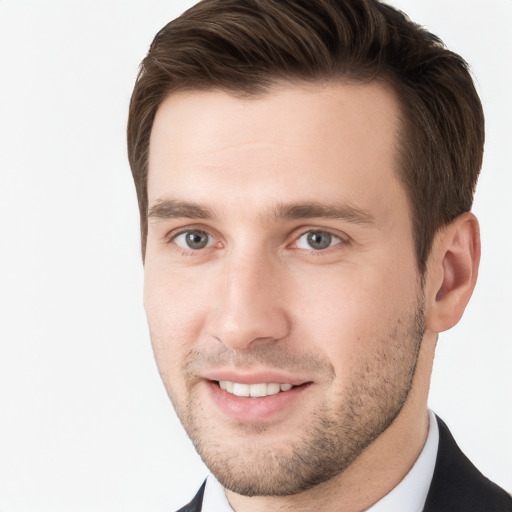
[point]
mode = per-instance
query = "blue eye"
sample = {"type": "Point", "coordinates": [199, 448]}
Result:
{"type": "Point", "coordinates": [317, 240]}
{"type": "Point", "coordinates": [194, 239]}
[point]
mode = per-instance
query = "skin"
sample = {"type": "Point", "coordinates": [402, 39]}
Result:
{"type": "Point", "coordinates": [351, 321]}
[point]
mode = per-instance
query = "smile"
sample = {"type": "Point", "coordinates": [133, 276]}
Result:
{"type": "Point", "coordinates": [253, 390]}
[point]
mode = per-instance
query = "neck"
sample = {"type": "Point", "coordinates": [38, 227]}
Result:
{"type": "Point", "coordinates": [379, 468]}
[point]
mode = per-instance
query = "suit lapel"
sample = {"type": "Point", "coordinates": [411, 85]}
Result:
{"type": "Point", "coordinates": [458, 485]}
{"type": "Point", "coordinates": [197, 502]}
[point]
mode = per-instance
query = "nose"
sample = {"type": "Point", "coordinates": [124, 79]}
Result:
{"type": "Point", "coordinates": [250, 308]}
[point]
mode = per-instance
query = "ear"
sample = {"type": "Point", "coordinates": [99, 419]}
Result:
{"type": "Point", "coordinates": [452, 269]}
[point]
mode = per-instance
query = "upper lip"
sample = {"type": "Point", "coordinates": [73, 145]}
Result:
{"type": "Point", "coordinates": [268, 377]}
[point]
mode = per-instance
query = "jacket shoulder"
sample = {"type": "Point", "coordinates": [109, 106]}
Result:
{"type": "Point", "coordinates": [197, 502]}
{"type": "Point", "coordinates": [458, 485]}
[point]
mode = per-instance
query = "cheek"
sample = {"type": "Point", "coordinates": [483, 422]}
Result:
{"type": "Point", "coordinates": [175, 306]}
{"type": "Point", "coordinates": [348, 313]}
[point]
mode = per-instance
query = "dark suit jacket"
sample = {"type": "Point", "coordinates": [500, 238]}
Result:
{"type": "Point", "coordinates": [457, 486]}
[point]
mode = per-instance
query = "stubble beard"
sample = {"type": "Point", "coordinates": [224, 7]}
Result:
{"type": "Point", "coordinates": [331, 439]}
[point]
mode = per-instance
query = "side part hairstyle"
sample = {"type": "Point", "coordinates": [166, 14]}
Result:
{"type": "Point", "coordinates": [246, 46]}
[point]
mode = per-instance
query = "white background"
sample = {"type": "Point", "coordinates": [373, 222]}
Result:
{"type": "Point", "coordinates": [85, 424]}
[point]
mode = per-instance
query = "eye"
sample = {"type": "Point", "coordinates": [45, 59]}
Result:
{"type": "Point", "coordinates": [317, 240]}
{"type": "Point", "coordinates": [194, 239]}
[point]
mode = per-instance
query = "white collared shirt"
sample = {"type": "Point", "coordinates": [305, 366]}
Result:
{"type": "Point", "coordinates": [410, 494]}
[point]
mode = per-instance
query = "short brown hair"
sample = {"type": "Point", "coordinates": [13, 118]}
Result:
{"type": "Point", "coordinates": [245, 46]}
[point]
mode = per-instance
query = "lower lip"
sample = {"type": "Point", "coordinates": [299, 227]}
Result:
{"type": "Point", "coordinates": [253, 410]}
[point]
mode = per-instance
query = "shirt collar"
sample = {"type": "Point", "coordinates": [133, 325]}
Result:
{"type": "Point", "coordinates": [410, 494]}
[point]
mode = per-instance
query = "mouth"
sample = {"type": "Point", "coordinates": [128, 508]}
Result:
{"type": "Point", "coordinates": [257, 390]}
{"type": "Point", "coordinates": [258, 398]}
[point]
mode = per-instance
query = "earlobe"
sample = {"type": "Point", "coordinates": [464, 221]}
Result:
{"type": "Point", "coordinates": [452, 272]}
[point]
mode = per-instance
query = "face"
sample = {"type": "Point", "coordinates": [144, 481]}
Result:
{"type": "Point", "coordinates": [281, 286]}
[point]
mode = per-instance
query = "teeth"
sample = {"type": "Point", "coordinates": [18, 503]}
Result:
{"type": "Point", "coordinates": [253, 390]}
{"type": "Point", "coordinates": [241, 389]}
{"type": "Point", "coordinates": [273, 389]}
{"type": "Point", "coordinates": [257, 390]}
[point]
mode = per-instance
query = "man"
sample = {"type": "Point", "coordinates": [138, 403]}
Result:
{"type": "Point", "coordinates": [305, 173]}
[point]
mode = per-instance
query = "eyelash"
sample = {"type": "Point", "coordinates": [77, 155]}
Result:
{"type": "Point", "coordinates": [173, 235]}
{"type": "Point", "coordinates": [331, 236]}
{"type": "Point", "coordinates": [343, 240]}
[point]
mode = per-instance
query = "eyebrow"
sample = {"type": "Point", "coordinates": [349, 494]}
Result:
{"type": "Point", "coordinates": [309, 210]}
{"type": "Point", "coordinates": [172, 209]}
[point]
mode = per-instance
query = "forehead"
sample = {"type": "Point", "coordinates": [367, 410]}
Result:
{"type": "Point", "coordinates": [333, 141]}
